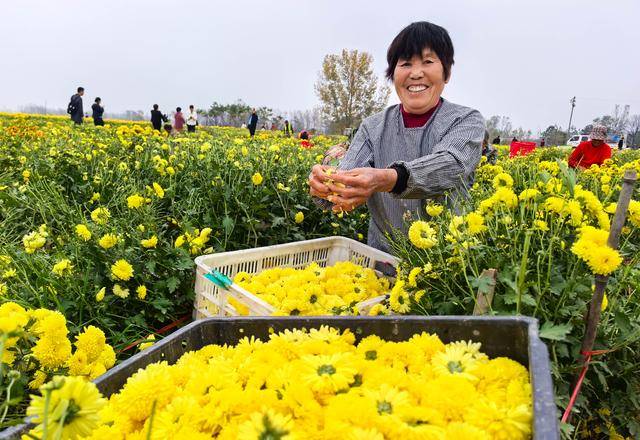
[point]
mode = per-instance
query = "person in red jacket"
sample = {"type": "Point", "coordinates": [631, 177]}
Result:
{"type": "Point", "coordinates": [593, 151]}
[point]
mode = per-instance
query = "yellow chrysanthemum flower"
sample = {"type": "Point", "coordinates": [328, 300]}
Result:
{"type": "Point", "coordinates": [149, 242]}
{"type": "Point", "coordinates": [158, 190]}
{"type": "Point", "coordinates": [100, 215]}
{"type": "Point", "coordinates": [62, 267]}
{"type": "Point", "coordinates": [399, 298]}
{"type": "Point", "coordinates": [83, 232]}
{"type": "Point", "coordinates": [327, 374]}
{"type": "Point", "coordinates": [121, 292]}
{"type": "Point", "coordinates": [422, 235]}
{"type": "Point", "coordinates": [266, 424]}
{"type": "Point", "coordinates": [70, 405]}
{"type": "Point", "coordinates": [502, 180]}
{"type": "Point", "coordinates": [108, 241]}
{"type": "Point", "coordinates": [122, 270]}
{"type": "Point", "coordinates": [434, 210]}
{"type": "Point", "coordinates": [135, 201]}
{"type": "Point", "coordinates": [475, 223]}
{"type": "Point", "coordinates": [142, 292]}
{"type": "Point", "coordinates": [257, 179]}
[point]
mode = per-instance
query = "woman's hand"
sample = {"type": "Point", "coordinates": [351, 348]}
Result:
{"type": "Point", "coordinates": [358, 185]}
{"type": "Point", "coordinates": [317, 181]}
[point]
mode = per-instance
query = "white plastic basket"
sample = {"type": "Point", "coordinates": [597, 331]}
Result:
{"type": "Point", "coordinates": [212, 301]}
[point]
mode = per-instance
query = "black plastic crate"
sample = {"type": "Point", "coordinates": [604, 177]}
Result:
{"type": "Point", "coordinates": [512, 337]}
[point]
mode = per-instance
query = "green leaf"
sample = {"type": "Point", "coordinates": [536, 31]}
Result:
{"type": "Point", "coordinates": [528, 300]}
{"type": "Point", "coordinates": [510, 298]}
{"type": "Point", "coordinates": [161, 304]}
{"type": "Point", "coordinates": [184, 263]}
{"type": "Point", "coordinates": [508, 279]}
{"type": "Point", "coordinates": [482, 283]}
{"type": "Point", "coordinates": [562, 350]}
{"type": "Point", "coordinates": [555, 332]}
{"type": "Point", "coordinates": [227, 224]}
{"type": "Point", "coordinates": [623, 323]}
{"type": "Point", "coordinates": [172, 284]}
{"type": "Point", "coordinates": [151, 266]}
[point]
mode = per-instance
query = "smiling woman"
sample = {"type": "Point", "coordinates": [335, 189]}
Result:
{"type": "Point", "coordinates": [425, 148]}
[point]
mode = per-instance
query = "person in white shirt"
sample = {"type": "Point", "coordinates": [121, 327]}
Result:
{"type": "Point", "coordinates": [192, 119]}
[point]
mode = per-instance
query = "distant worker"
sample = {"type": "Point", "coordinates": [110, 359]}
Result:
{"type": "Point", "coordinates": [488, 150]}
{"type": "Point", "coordinates": [178, 120]}
{"type": "Point", "coordinates": [515, 139]}
{"type": "Point", "coordinates": [496, 140]}
{"type": "Point", "coordinates": [192, 119]}
{"type": "Point", "coordinates": [288, 128]}
{"type": "Point", "coordinates": [98, 111]}
{"type": "Point", "coordinates": [621, 143]}
{"type": "Point", "coordinates": [253, 122]}
{"type": "Point", "coordinates": [592, 152]}
{"type": "Point", "coordinates": [304, 139]}
{"type": "Point", "coordinates": [542, 142]}
{"type": "Point", "coordinates": [74, 109]}
{"type": "Point", "coordinates": [157, 117]}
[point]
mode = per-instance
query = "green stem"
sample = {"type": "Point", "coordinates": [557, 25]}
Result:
{"type": "Point", "coordinates": [3, 339]}
{"type": "Point", "coordinates": [6, 408]}
{"type": "Point", "coordinates": [47, 401]}
{"type": "Point", "coordinates": [523, 269]}
{"type": "Point", "coordinates": [151, 417]}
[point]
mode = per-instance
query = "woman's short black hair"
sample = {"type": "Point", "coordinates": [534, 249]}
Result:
{"type": "Point", "coordinates": [155, 106]}
{"type": "Point", "coordinates": [179, 109]}
{"type": "Point", "coordinates": [416, 37]}
{"type": "Point", "coordinates": [98, 100]}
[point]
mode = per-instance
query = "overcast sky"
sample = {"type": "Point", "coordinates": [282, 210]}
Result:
{"type": "Point", "coordinates": [523, 59]}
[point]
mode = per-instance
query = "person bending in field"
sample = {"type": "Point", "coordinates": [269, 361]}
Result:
{"type": "Point", "coordinates": [425, 148]}
{"type": "Point", "coordinates": [304, 139]}
{"type": "Point", "coordinates": [592, 152]}
{"type": "Point", "coordinates": [488, 150]}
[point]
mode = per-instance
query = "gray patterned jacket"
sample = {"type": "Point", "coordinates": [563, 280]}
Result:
{"type": "Point", "coordinates": [440, 157]}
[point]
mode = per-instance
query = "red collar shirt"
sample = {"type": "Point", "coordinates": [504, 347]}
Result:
{"type": "Point", "coordinates": [586, 155]}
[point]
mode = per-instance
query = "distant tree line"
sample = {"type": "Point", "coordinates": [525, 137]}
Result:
{"type": "Point", "coordinates": [237, 113]}
{"type": "Point", "coordinates": [129, 115]}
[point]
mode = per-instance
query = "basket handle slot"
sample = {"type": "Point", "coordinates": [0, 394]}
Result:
{"type": "Point", "coordinates": [386, 268]}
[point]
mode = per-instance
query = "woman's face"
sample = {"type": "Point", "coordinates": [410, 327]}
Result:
{"type": "Point", "coordinates": [419, 82]}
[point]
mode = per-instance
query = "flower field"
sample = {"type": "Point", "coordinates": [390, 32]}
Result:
{"type": "Point", "coordinates": [101, 224]}
{"type": "Point", "coordinates": [544, 228]}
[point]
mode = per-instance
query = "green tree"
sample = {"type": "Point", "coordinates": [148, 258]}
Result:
{"type": "Point", "coordinates": [499, 126]}
{"type": "Point", "coordinates": [554, 135]}
{"type": "Point", "coordinates": [617, 121]}
{"type": "Point", "coordinates": [633, 131]}
{"type": "Point", "coordinates": [349, 90]}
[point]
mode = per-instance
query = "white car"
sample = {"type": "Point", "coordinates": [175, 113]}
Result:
{"type": "Point", "coordinates": [575, 140]}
